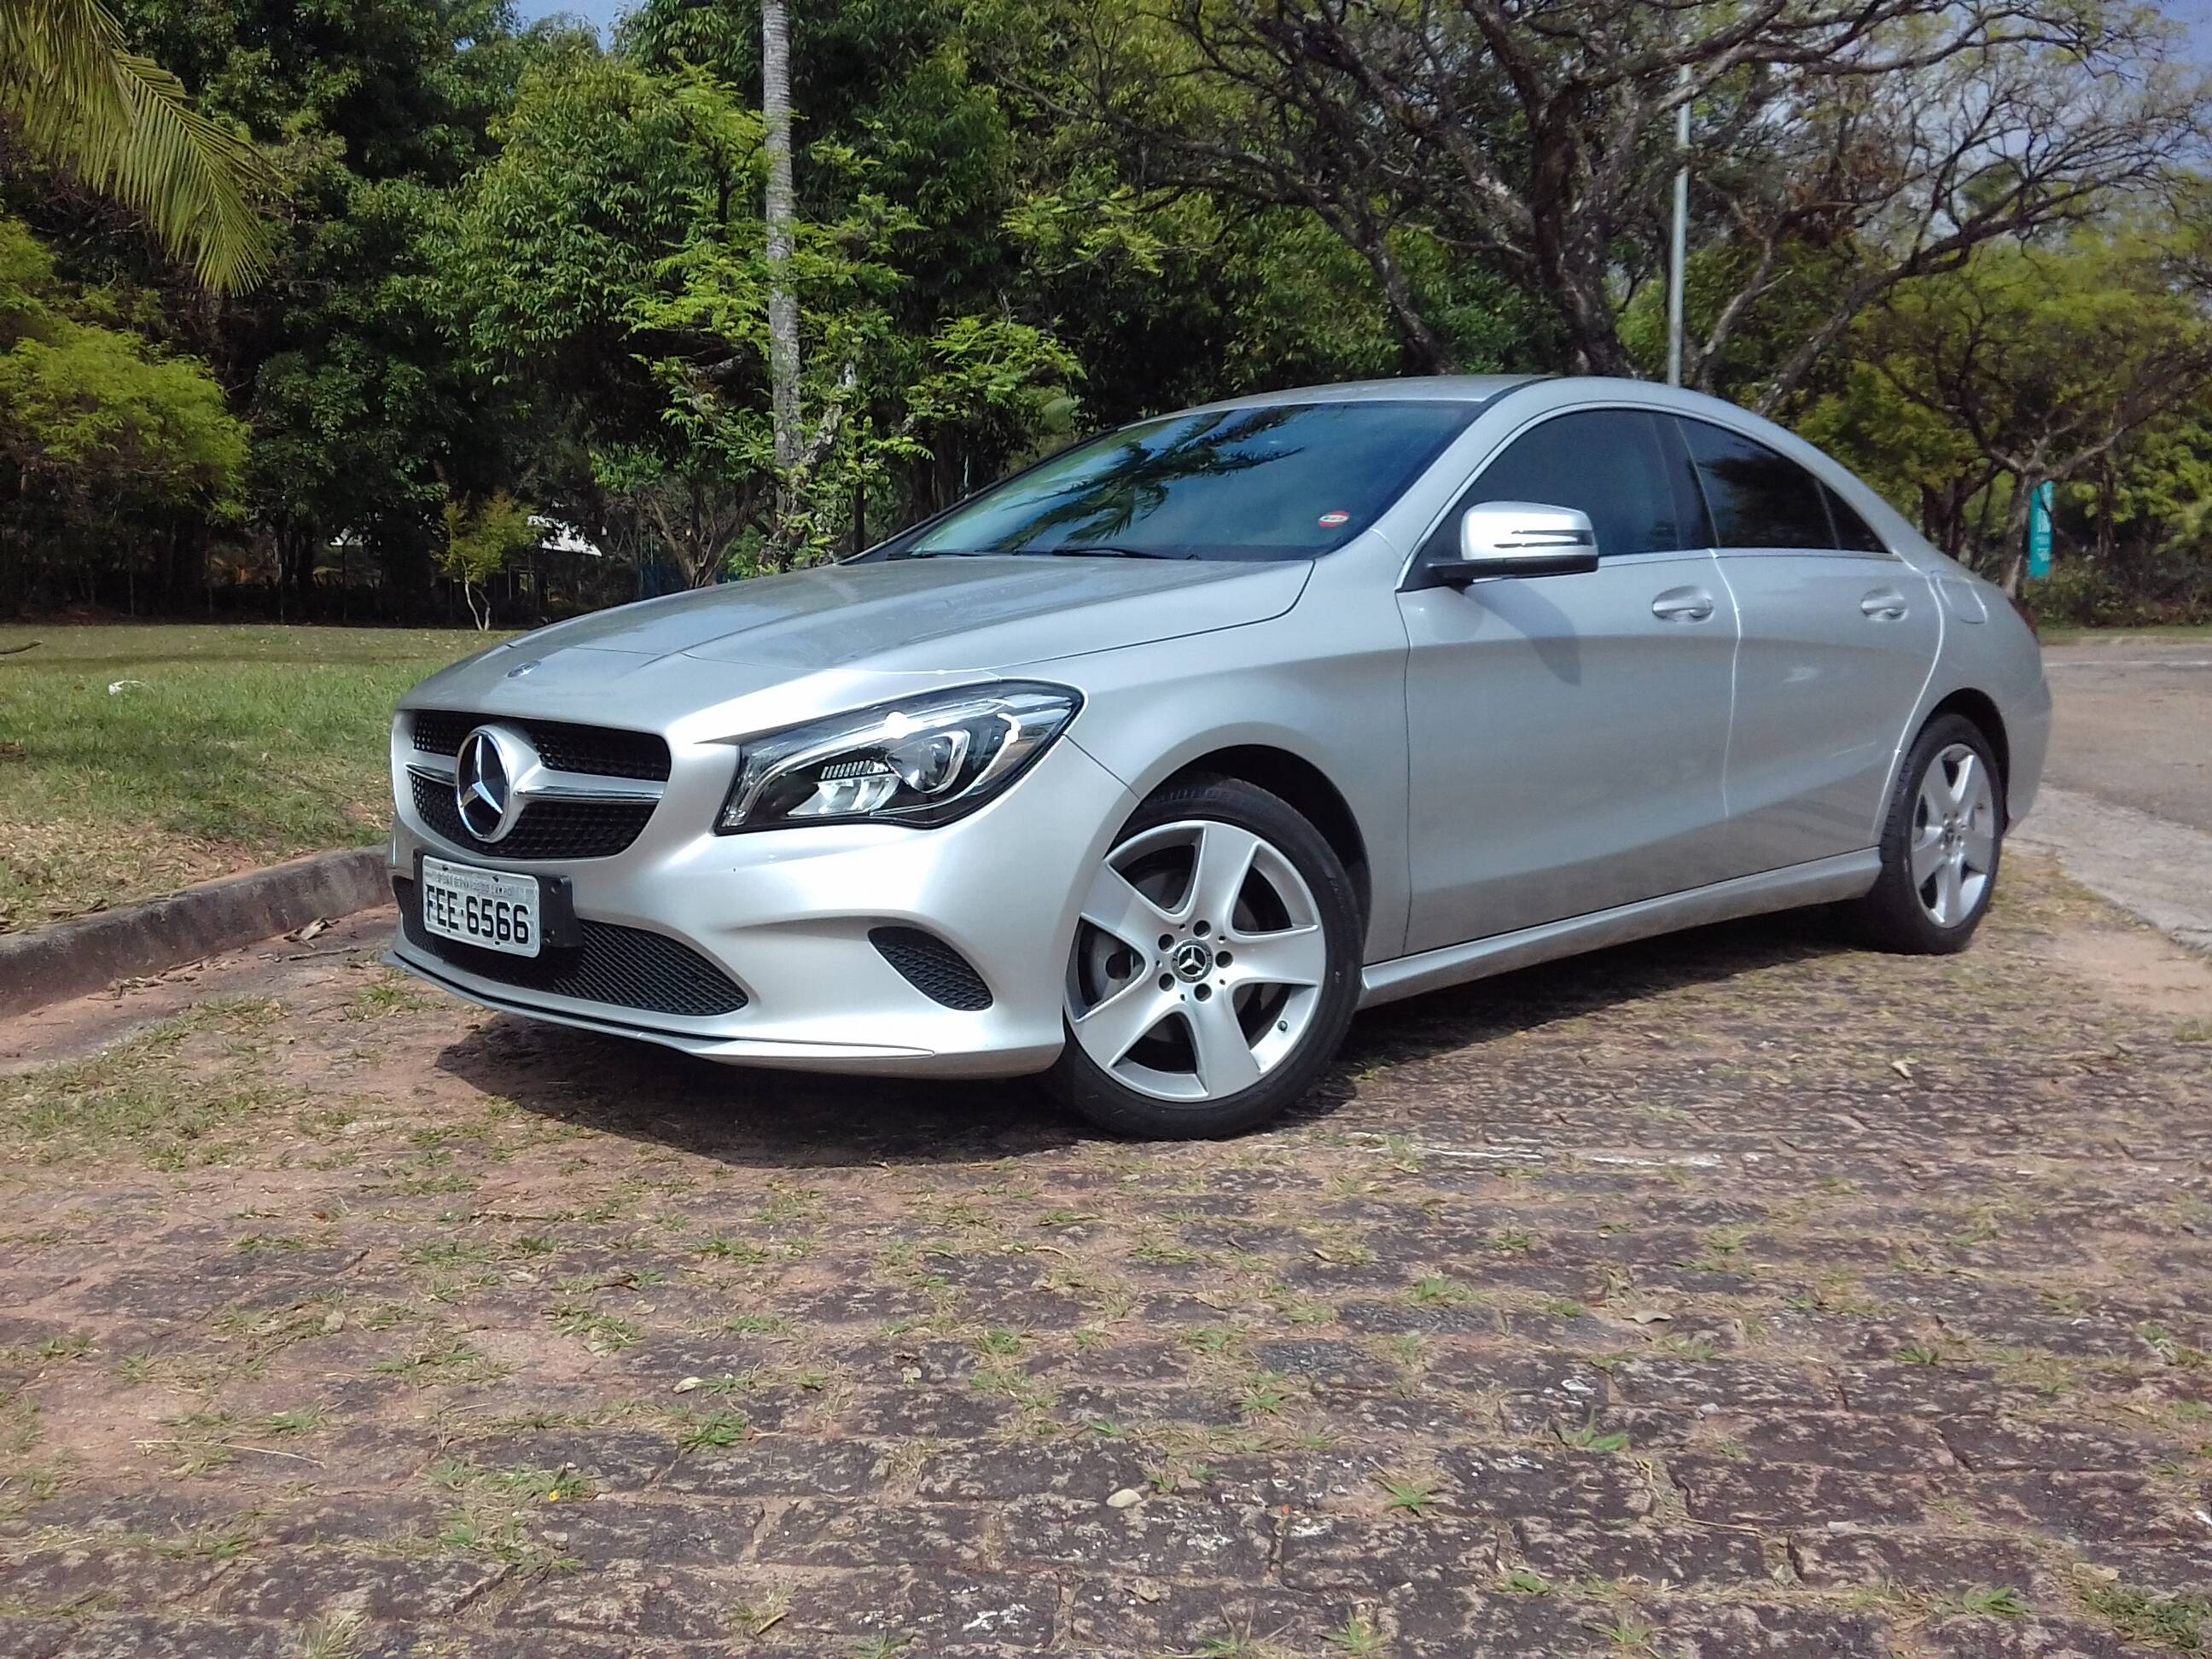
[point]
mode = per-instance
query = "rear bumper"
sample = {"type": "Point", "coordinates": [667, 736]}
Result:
{"type": "Point", "coordinates": [786, 915]}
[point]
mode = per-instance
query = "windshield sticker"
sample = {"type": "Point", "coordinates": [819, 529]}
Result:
{"type": "Point", "coordinates": [1330, 520]}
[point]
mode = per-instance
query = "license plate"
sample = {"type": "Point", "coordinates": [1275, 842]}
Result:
{"type": "Point", "coordinates": [490, 909]}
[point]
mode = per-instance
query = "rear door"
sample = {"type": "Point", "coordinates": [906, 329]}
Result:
{"type": "Point", "coordinates": [1567, 733]}
{"type": "Point", "coordinates": [1838, 637]}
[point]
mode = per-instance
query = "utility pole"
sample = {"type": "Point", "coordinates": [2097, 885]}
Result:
{"type": "Point", "coordinates": [782, 304]}
{"type": "Point", "coordinates": [1679, 253]}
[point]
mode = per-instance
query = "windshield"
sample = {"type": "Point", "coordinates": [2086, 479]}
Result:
{"type": "Point", "coordinates": [1283, 481]}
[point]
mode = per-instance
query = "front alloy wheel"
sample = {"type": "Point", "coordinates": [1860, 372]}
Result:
{"type": "Point", "coordinates": [1214, 967]}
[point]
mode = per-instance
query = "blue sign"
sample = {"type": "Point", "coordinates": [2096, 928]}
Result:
{"type": "Point", "coordinates": [2039, 529]}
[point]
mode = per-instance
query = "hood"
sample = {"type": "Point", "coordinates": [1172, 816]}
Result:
{"type": "Point", "coordinates": [939, 614]}
{"type": "Point", "coordinates": [850, 623]}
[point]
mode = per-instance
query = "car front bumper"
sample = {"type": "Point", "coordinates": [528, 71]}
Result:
{"type": "Point", "coordinates": [786, 915]}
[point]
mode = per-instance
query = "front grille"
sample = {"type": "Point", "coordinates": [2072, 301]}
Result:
{"type": "Point", "coordinates": [623, 967]}
{"type": "Point", "coordinates": [933, 968]}
{"type": "Point", "coordinates": [600, 751]}
{"type": "Point", "coordinates": [546, 830]}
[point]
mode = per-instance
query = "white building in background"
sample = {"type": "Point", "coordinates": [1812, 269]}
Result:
{"type": "Point", "coordinates": [564, 538]}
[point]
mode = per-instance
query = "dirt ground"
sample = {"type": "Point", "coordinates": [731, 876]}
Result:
{"type": "Point", "coordinates": [1742, 1293]}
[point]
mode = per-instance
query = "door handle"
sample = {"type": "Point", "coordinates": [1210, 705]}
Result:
{"type": "Point", "coordinates": [1883, 605]}
{"type": "Point", "coordinates": [1681, 604]}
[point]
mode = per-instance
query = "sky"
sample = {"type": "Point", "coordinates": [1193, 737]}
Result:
{"type": "Point", "coordinates": [600, 12]}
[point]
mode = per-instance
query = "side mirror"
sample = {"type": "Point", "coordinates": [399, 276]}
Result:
{"type": "Point", "coordinates": [1520, 538]}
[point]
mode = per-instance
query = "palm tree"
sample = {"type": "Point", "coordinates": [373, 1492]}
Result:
{"type": "Point", "coordinates": [80, 98]}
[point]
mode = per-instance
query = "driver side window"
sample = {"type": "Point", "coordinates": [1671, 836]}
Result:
{"type": "Point", "coordinates": [1612, 464]}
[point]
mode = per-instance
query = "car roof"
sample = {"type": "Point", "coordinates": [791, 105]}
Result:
{"type": "Point", "coordinates": [1425, 388]}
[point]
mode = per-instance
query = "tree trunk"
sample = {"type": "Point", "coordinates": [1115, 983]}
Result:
{"type": "Point", "coordinates": [782, 304]}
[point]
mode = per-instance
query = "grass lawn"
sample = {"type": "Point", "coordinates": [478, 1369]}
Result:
{"type": "Point", "coordinates": [2067, 634]}
{"type": "Point", "coordinates": [136, 760]}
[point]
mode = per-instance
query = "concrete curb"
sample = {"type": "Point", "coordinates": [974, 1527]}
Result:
{"type": "Point", "coordinates": [73, 958]}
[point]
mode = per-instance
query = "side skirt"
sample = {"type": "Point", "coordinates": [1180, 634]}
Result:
{"type": "Point", "coordinates": [1823, 881]}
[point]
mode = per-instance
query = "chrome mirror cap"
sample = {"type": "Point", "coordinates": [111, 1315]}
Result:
{"type": "Point", "coordinates": [1521, 539]}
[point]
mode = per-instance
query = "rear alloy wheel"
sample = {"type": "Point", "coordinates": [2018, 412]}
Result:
{"type": "Point", "coordinates": [1214, 969]}
{"type": "Point", "coordinates": [1940, 843]}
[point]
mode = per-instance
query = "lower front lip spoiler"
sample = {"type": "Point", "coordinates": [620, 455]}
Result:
{"type": "Point", "coordinates": [821, 1055]}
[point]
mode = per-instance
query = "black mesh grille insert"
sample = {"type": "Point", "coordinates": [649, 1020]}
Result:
{"type": "Point", "coordinates": [933, 967]}
{"type": "Point", "coordinates": [623, 966]}
{"type": "Point", "coordinates": [546, 830]}
{"type": "Point", "coordinates": [599, 750]}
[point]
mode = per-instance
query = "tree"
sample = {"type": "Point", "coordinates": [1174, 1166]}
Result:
{"type": "Point", "coordinates": [81, 99]}
{"type": "Point", "coordinates": [2025, 366]}
{"type": "Point", "coordinates": [782, 304]}
{"type": "Point", "coordinates": [612, 259]}
{"type": "Point", "coordinates": [1533, 136]}
{"type": "Point", "coordinates": [481, 538]}
{"type": "Point", "coordinates": [362, 410]}
{"type": "Point", "coordinates": [105, 442]}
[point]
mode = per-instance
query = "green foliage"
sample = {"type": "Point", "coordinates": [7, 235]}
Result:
{"type": "Point", "coordinates": [618, 237]}
{"type": "Point", "coordinates": [102, 434]}
{"type": "Point", "coordinates": [81, 99]}
{"type": "Point", "coordinates": [518, 265]}
{"type": "Point", "coordinates": [480, 540]}
{"type": "Point", "coordinates": [2025, 363]}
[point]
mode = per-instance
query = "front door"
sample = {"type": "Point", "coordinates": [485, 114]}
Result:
{"type": "Point", "coordinates": [1567, 733]}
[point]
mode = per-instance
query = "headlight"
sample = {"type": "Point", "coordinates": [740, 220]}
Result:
{"type": "Point", "coordinates": [922, 761]}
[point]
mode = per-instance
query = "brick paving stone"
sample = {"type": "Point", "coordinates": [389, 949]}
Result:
{"type": "Point", "coordinates": [99, 1579]}
{"type": "Point", "coordinates": [1354, 1552]}
{"type": "Point", "coordinates": [627, 1529]}
{"type": "Point", "coordinates": [780, 1467]}
{"type": "Point", "coordinates": [1638, 1305]}
{"type": "Point", "coordinates": [839, 1534]}
{"type": "Point", "coordinates": [1163, 1538]}
{"type": "Point", "coordinates": [296, 1586]}
{"type": "Point", "coordinates": [1847, 1558]}
{"type": "Point", "coordinates": [1659, 1555]}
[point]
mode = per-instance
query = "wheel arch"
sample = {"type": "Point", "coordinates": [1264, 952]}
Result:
{"type": "Point", "coordinates": [1982, 709]}
{"type": "Point", "coordinates": [1305, 786]}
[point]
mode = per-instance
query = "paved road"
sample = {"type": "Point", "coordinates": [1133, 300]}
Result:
{"type": "Point", "coordinates": [2134, 725]}
{"type": "Point", "coordinates": [2126, 802]}
{"type": "Point", "coordinates": [1715, 1297]}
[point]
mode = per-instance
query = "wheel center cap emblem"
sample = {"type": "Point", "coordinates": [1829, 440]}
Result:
{"type": "Point", "coordinates": [1191, 960]}
{"type": "Point", "coordinates": [490, 763]}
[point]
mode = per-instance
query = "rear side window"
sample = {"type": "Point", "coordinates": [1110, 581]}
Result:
{"type": "Point", "coordinates": [1853, 533]}
{"type": "Point", "coordinates": [1757, 498]}
{"type": "Point", "coordinates": [1609, 463]}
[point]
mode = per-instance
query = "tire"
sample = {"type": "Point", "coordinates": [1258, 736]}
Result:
{"type": "Point", "coordinates": [1218, 956]}
{"type": "Point", "coordinates": [1941, 841]}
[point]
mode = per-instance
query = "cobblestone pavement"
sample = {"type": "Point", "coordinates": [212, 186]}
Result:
{"type": "Point", "coordinates": [1737, 1294]}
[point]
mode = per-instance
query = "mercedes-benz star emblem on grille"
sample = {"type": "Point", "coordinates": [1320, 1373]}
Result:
{"type": "Point", "coordinates": [491, 762]}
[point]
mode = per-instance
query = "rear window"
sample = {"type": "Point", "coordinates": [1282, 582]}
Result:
{"type": "Point", "coordinates": [1756, 497]}
{"type": "Point", "coordinates": [1853, 533]}
{"type": "Point", "coordinates": [1283, 481]}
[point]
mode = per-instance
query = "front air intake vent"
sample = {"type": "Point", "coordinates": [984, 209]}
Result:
{"type": "Point", "coordinates": [622, 967]}
{"type": "Point", "coordinates": [933, 968]}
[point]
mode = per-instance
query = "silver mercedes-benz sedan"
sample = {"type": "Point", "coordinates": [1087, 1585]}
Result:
{"type": "Point", "coordinates": [1149, 766]}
